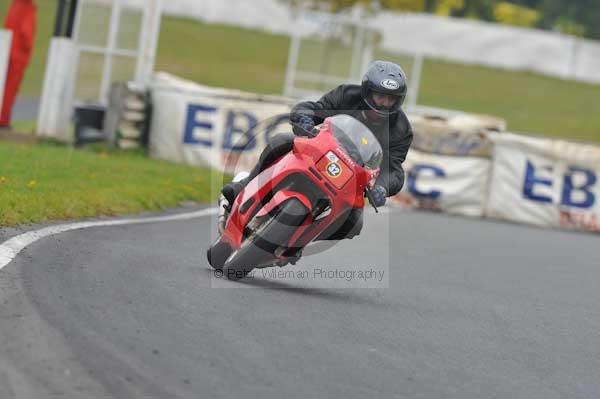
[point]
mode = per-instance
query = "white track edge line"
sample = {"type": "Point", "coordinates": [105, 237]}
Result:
{"type": "Point", "coordinates": [11, 248]}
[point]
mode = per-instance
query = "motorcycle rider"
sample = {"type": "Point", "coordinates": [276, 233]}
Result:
{"type": "Point", "coordinates": [376, 103]}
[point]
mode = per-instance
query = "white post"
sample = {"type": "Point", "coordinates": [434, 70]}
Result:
{"type": "Point", "coordinates": [573, 59]}
{"type": "Point", "coordinates": [77, 21]}
{"type": "Point", "coordinates": [56, 105]}
{"type": "Point", "coordinates": [115, 17]}
{"type": "Point", "coordinates": [415, 81]}
{"type": "Point", "coordinates": [367, 55]}
{"type": "Point", "coordinates": [5, 42]}
{"type": "Point", "coordinates": [290, 72]}
{"type": "Point", "coordinates": [148, 41]}
{"type": "Point", "coordinates": [357, 52]}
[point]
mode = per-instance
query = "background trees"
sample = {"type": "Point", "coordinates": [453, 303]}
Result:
{"type": "Point", "coordinates": [574, 17]}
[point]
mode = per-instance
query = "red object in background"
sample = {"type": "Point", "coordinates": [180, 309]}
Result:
{"type": "Point", "coordinates": [21, 21]}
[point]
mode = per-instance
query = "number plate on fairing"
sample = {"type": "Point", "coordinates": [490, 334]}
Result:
{"type": "Point", "coordinates": [336, 170]}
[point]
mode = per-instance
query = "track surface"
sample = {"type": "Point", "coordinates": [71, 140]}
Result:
{"type": "Point", "coordinates": [474, 309]}
{"type": "Point", "coordinates": [25, 109]}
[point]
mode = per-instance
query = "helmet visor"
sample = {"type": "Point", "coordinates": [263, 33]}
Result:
{"type": "Point", "coordinates": [383, 103]}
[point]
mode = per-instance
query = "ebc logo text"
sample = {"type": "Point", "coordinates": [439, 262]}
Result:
{"type": "Point", "coordinates": [577, 186]}
{"type": "Point", "coordinates": [390, 84]}
{"type": "Point", "coordinates": [236, 130]}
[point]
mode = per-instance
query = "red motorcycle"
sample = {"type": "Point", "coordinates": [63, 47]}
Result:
{"type": "Point", "coordinates": [297, 198]}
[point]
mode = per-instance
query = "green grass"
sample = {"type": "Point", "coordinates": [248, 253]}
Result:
{"type": "Point", "coordinates": [255, 61]}
{"type": "Point", "coordinates": [223, 56]}
{"type": "Point", "coordinates": [50, 182]}
{"type": "Point", "coordinates": [530, 103]}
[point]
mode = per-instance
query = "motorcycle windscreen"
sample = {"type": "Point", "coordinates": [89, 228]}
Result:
{"type": "Point", "coordinates": [357, 141]}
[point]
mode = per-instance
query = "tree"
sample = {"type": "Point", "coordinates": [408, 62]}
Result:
{"type": "Point", "coordinates": [587, 13]}
{"type": "Point", "coordinates": [512, 14]}
{"type": "Point", "coordinates": [448, 7]}
{"type": "Point", "coordinates": [404, 5]}
{"type": "Point", "coordinates": [576, 17]}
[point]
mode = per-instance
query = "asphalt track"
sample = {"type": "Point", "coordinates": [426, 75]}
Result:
{"type": "Point", "coordinates": [474, 309]}
{"type": "Point", "coordinates": [25, 109]}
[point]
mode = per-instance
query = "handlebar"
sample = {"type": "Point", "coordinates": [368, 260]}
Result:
{"type": "Point", "coordinates": [370, 198]}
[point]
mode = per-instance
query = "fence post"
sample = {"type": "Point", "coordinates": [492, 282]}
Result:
{"type": "Point", "coordinates": [5, 42]}
{"type": "Point", "coordinates": [148, 41]}
{"type": "Point", "coordinates": [415, 81]}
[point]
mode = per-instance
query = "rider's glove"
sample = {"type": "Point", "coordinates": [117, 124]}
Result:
{"type": "Point", "coordinates": [378, 195]}
{"type": "Point", "coordinates": [306, 123]}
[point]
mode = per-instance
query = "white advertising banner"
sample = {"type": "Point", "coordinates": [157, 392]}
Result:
{"type": "Point", "coordinates": [203, 126]}
{"type": "Point", "coordinates": [542, 182]}
{"type": "Point", "coordinates": [548, 183]}
{"type": "Point", "coordinates": [451, 184]}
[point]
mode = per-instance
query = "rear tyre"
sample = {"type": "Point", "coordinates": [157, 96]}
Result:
{"type": "Point", "coordinates": [258, 248]}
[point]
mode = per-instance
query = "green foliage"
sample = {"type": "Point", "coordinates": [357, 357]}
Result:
{"type": "Point", "coordinates": [404, 5]}
{"type": "Point", "coordinates": [328, 5]}
{"type": "Point", "coordinates": [579, 17]}
{"type": "Point", "coordinates": [569, 27]}
{"type": "Point", "coordinates": [512, 14]}
{"type": "Point", "coordinates": [476, 9]}
{"type": "Point", "coordinates": [448, 7]}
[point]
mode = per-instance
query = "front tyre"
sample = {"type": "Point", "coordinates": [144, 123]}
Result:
{"type": "Point", "coordinates": [259, 247]}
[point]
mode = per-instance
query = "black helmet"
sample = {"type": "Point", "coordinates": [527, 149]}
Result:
{"type": "Point", "coordinates": [387, 78]}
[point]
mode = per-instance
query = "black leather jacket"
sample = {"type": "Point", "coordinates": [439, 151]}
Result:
{"type": "Point", "coordinates": [394, 133]}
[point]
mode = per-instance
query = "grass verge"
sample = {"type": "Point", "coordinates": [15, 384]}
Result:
{"type": "Point", "coordinates": [50, 182]}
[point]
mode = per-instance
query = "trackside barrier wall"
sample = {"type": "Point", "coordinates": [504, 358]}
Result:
{"type": "Point", "coordinates": [205, 126]}
{"type": "Point", "coordinates": [548, 183]}
{"type": "Point", "coordinates": [442, 183]}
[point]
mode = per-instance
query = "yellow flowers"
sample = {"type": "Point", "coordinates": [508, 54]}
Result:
{"type": "Point", "coordinates": [31, 184]}
{"type": "Point", "coordinates": [445, 7]}
{"type": "Point", "coordinates": [512, 14]}
{"type": "Point", "coordinates": [406, 5]}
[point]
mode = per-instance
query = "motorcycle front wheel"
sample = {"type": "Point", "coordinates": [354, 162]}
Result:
{"type": "Point", "coordinates": [260, 246]}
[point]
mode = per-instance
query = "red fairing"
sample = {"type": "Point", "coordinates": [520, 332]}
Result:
{"type": "Point", "coordinates": [21, 20]}
{"type": "Point", "coordinates": [326, 166]}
